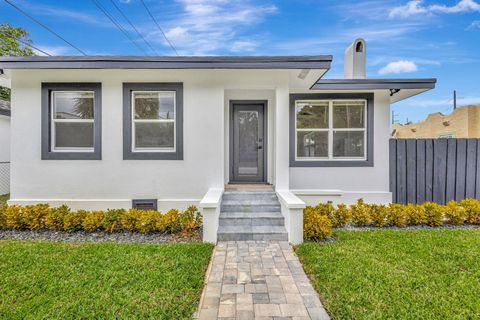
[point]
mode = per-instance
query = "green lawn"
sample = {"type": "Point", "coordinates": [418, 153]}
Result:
{"type": "Point", "coordinates": [387, 274]}
{"type": "Point", "coordinates": [52, 280]}
{"type": "Point", "coordinates": [4, 198]}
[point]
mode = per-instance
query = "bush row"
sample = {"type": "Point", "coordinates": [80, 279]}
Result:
{"type": "Point", "coordinates": [42, 216]}
{"type": "Point", "coordinates": [319, 220]}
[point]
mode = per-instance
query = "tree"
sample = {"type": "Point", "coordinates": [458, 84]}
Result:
{"type": "Point", "coordinates": [12, 43]}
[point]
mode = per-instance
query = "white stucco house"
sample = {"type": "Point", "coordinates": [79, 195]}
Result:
{"type": "Point", "coordinates": [102, 132]}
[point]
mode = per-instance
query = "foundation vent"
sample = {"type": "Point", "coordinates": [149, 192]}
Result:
{"type": "Point", "coordinates": [144, 204]}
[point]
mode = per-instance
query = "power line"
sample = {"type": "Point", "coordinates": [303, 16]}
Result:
{"type": "Point", "coordinates": [158, 26]}
{"type": "Point", "coordinates": [45, 27]}
{"type": "Point", "coordinates": [133, 26]}
{"type": "Point", "coordinates": [25, 43]}
{"type": "Point", "coordinates": [118, 25]}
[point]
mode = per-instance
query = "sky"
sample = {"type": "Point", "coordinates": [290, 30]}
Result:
{"type": "Point", "coordinates": [405, 39]}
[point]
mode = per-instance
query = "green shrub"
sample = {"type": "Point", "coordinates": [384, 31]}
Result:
{"type": "Point", "coordinates": [360, 213]}
{"type": "Point", "coordinates": [3, 209]}
{"type": "Point", "coordinates": [342, 216]}
{"type": "Point", "coordinates": [316, 226]}
{"type": "Point", "coordinates": [74, 221]}
{"type": "Point", "coordinates": [55, 218]}
{"type": "Point", "coordinates": [454, 213]}
{"type": "Point", "coordinates": [415, 214]}
{"type": "Point", "coordinates": [472, 208]}
{"type": "Point", "coordinates": [93, 221]}
{"type": "Point", "coordinates": [433, 213]}
{"type": "Point", "coordinates": [191, 221]}
{"type": "Point", "coordinates": [378, 215]}
{"type": "Point", "coordinates": [396, 215]}
{"type": "Point", "coordinates": [112, 221]}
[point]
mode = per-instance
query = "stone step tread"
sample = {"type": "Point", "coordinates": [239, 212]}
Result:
{"type": "Point", "coordinates": [250, 215]}
{"type": "Point", "coordinates": [252, 229]}
{"type": "Point", "coordinates": [250, 202]}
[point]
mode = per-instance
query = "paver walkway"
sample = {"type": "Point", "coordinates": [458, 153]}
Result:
{"type": "Point", "coordinates": [258, 280]}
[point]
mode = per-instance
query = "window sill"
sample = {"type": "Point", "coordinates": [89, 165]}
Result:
{"type": "Point", "coordinates": [331, 163]}
{"type": "Point", "coordinates": [51, 155]}
{"type": "Point", "coordinates": [149, 155]}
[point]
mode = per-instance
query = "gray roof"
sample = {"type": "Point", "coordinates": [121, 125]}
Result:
{"type": "Point", "coordinates": [4, 108]}
{"type": "Point", "coordinates": [159, 62]}
{"type": "Point", "coordinates": [372, 84]}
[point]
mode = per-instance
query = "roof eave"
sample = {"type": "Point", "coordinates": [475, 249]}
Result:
{"type": "Point", "coordinates": [374, 84]}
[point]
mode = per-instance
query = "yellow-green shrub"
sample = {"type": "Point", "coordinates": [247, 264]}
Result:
{"type": "Point", "coordinates": [55, 218]}
{"type": "Point", "coordinates": [93, 221]}
{"type": "Point", "coordinates": [170, 222]}
{"type": "Point", "coordinates": [148, 221]}
{"type": "Point", "coordinates": [14, 217]}
{"type": "Point", "coordinates": [342, 216]}
{"type": "Point", "coordinates": [3, 208]}
{"type": "Point", "coordinates": [433, 213]}
{"type": "Point", "coordinates": [415, 214]}
{"type": "Point", "coordinates": [316, 226]}
{"type": "Point", "coordinates": [396, 215]}
{"type": "Point", "coordinates": [112, 221]}
{"type": "Point", "coordinates": [378, 214]}
{"type": "Point", "coordinates": [130, 218]}
{"type": "Point", "coordinates": [191, 220]}
{"type": "Point", "coordinates": [74, 220]}
{"type": "Point", "coordinates": [360, 213]}
{"type": "Point", "coordinates": [34, 216]}
{"type": "Point", "coordinates": [472, 208]}
{"type": "Point", "coordinates": [454, 213]}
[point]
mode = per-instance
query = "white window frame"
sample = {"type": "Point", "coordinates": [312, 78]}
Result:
{"type": "Point", "coordinates": [135, 121]}
{"type": "Point", "coordinates": [331, 130]}
{"type": "Point", "coordinates": [54, 121]}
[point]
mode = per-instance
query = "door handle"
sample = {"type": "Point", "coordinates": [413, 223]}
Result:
{"type": "Point", "coordinates": [260, 147]}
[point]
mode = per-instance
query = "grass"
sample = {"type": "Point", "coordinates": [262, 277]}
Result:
{"type": "Point", "coordinates": [388, 274]}
{"type": "Point", "coordinates": [4, 198]}
{"type": "Point", "coordinates": [52, 280]}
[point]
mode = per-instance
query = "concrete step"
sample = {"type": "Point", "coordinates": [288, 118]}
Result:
{"type": "Point", "coordinates": [242, 233]}
{"type": "Point", "coordinates": [236, 207]}
{"type": "Point", "coordinates": [277, 220]}
{"type": "Point", "coordinates": [250, 196]}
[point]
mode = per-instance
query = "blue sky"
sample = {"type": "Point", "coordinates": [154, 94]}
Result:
{"type": "Point", "coordinates": [405, 39]}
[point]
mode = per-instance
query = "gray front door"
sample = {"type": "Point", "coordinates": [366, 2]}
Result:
{"type": "Point", "coordinates": [248, 142]}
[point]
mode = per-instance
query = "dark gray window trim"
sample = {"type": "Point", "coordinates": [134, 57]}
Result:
{"type": "Point", "coordinates": [47, 153]}
{"type": "Point", "coordinates": [333, 163]}
{"type": "Point", "coordinates": [128, 154]}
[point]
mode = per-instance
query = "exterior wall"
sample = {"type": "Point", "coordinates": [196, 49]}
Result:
{"type": "Point", "coordinates": [112, 181]}
{"type": "Point", "coordinates": [347, 184]}
{"type": "Point", "coordinates": [4, 154]}
{"type": "Point", "coordinates": [464, 122]}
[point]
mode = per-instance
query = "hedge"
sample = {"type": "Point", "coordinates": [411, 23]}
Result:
{"type": "Point", "coordinates": [319, 220]}
{"type": "Point", "coordinates": [42, 216]}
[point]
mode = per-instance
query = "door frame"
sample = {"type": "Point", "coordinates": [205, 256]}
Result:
{"type": "Point", "coordinates": [264, 104]}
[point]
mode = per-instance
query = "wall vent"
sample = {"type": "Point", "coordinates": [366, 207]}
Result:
{"type": "Point", "coordinates": [145, 204]}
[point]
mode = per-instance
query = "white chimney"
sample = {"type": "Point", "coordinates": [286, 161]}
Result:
{"type": "Point", "coordinates": [355, 60]}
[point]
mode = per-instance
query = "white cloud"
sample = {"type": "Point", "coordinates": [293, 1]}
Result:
{"type": "Point", "coordinates": [55, 50]}
{"type": "Point", "coordinates": [475, 25]}
{"type": "Point", "coordinates": [208, 26]}
{"type": "Point", "coordinates": [400, 66]}
{"type": "Point", "coordinates": [416, 7]}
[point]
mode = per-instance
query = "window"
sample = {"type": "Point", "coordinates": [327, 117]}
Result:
{"type": "Point", "coordinates": [331, 130]}
{"type": "Point", "coordinates": [71, 121]}
{"type": "Point", "coordinates": [153, 114]}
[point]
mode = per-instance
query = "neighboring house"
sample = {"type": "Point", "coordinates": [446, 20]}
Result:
{"type": "Point", "coordinates": [178, 129]}
{"type": "Point", "coordinates": [4, 147]}
{"type": "Point", "coordinates": [463, 122]}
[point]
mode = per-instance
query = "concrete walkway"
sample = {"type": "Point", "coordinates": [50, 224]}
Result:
{"type": "Point", "coordinates": [258, 280]}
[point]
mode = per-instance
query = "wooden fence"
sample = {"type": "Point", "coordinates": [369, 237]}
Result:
{"type": "Point", "coordinates": [436, 170]}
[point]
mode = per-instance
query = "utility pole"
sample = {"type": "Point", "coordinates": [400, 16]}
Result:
{"type": "Point", "coordinates": [454, 99]}
{"type": "Point", "coordinates": [393, 117]}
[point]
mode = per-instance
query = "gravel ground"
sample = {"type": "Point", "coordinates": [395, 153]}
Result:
{"type": "Point", "coordinates": [120, 237]}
